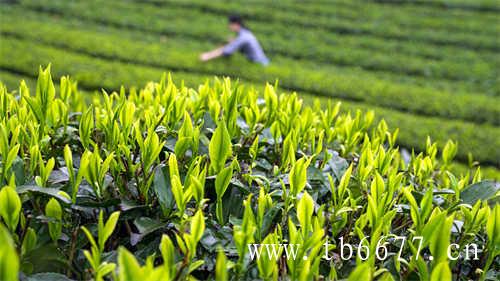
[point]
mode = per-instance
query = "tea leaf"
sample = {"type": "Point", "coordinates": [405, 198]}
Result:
{"type": "Point", "coordinates": [10, 207]}
{"type": "Point", "coordinates": [53, 210]}
{"type": "Point", "coordinates": [220, 147]}
{"type": "Point", "coordinates": [9, 262]}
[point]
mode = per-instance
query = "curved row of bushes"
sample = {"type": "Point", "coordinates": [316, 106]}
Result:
{"type": "Point", "coordinates": [467, 5]}
{"type": "Point", "coordinates": [416, 10]}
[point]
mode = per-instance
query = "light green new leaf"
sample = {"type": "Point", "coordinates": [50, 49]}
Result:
{"type": "Point", "coordinates": [305, 210]}
{"type": "Point", "coordinates": [437, 231]}
{"type": "Point", "coordinates": [167, 253]}
{"type": "Point", "coordinates": [9, 261]}
{"type": "Point", "coordinates": [361, 272]}
{"type": "Point", "coordinates": [129, 268]}
{"type": "Point", "coordinates": [219, 148]}
{"type": "Point", "coordinates": [344, 182]}
{"type": "Point", "coordinates": [441, 272]}
{"type": "Point", "coordinates": [53, 210]}
{"type": "Point", "coordinates": [29, 242]}
{"type": "Point", "coordinates": [10, 157]}
{"type": "Point", "coordinates": [86, 127]}
{"type": "Point", "coordinates": [220, 266]}
{"type": "Point", "coordinates": [298, 175]}
{"type": "Point", "coordinates": [172, 167]}
{"type": "Point", "coordinates": [178, 193]}
{"type": "Point", "coordinates": [222, 181]}
{"type": "Point", "coordinates": [182, 145]}
{"type": "Point", "coordinates": [10, 207]}
{"type": "Point", "coordinates": [109, 227]}
{"type": "Point", "coordinates": [197, 226]}
{"type": "Point", "coordinates": [493, 228]}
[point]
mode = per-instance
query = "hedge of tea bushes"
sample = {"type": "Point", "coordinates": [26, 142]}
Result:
{"type": "Point", "coordinates": [172, 183]}
{"type": "Point", "coordinates": [205, 27]}
{"type": "Point", "coordinates": [413, 8]}
{"type": "Point", "coordinates": [471, 107]}
{"type": "Point", "coordinates": [486, 5]}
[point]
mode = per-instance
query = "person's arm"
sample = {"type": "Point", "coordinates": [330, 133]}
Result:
{"type": "Point", "coordinates": [226, 50]}
{"type": "Point", "coordinates": [212, 54]}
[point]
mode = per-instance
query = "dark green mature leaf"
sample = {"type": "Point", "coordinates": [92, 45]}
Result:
{"type": "Point", "coordinates": [145, 226]}
{"type": "Point", "coordinates": [270, 217]}
{"type": "Point", "coordinates": [53, 260]}
{"type": "Point", "coordinates": [484, 190]}
{"type": "Point", "coordinates": [163, 190]}
{"type": "Point", "coordinates": [337, 164]}
{"type": "Point", "coordinates": [48, 276]}
{"type": "Point", "coordinates": [52, 192]}
{"type": "Point", "coordinates": [18, 170]}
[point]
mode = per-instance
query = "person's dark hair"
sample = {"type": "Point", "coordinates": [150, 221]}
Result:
{"type": "Point", "coordinates": [235, 18]}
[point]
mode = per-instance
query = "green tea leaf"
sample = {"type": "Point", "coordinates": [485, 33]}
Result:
{"type": "Point", "coordinates": [305, 210]}
{"type": "Point", "coordinates": [361, 272]}
{"type": "Point", "coordinates": [53, 210]}
{"type": "Point", "coordinates": [221, 266]}
{"type": "Point", "coordinates": [109, 227]}
{"type": "Point", "coordinates": [441, 272]}
{"type": "Point", "coordinates": [222, 181]}
{"type": "Point", "coordinates": [197, 225]}
{"type": "Point", "coordinates": [298, 176]}
{"type": "Point", "coordinates": [219, 148]}
{"type": "Point", "coordinates": [9, 261]}
{"type": "Point", "coordinates": [128, 267]}
{"type": "Point", "coordinates": [483, 190]}
{"type": "Point", "coordinates": [10, 207]}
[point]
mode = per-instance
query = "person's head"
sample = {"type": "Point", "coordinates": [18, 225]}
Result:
{"type": "Point", "coordinates": [235, 23]}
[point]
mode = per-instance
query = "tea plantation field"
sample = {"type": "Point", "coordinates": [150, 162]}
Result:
{"type": "Point", "coordinates": [430, 67]}
{"type": "Point", "coordinates": [371, 142]}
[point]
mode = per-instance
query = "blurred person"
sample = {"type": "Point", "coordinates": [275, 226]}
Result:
{"type": "Point", "coordinates": [245, 42]}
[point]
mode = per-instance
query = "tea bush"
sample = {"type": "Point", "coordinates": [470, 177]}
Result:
{"type": "Point", "coordinates": [173, 183]}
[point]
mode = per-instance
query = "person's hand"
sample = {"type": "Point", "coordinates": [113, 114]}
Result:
{"type": "Point", "coordinates": [204, 56]}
